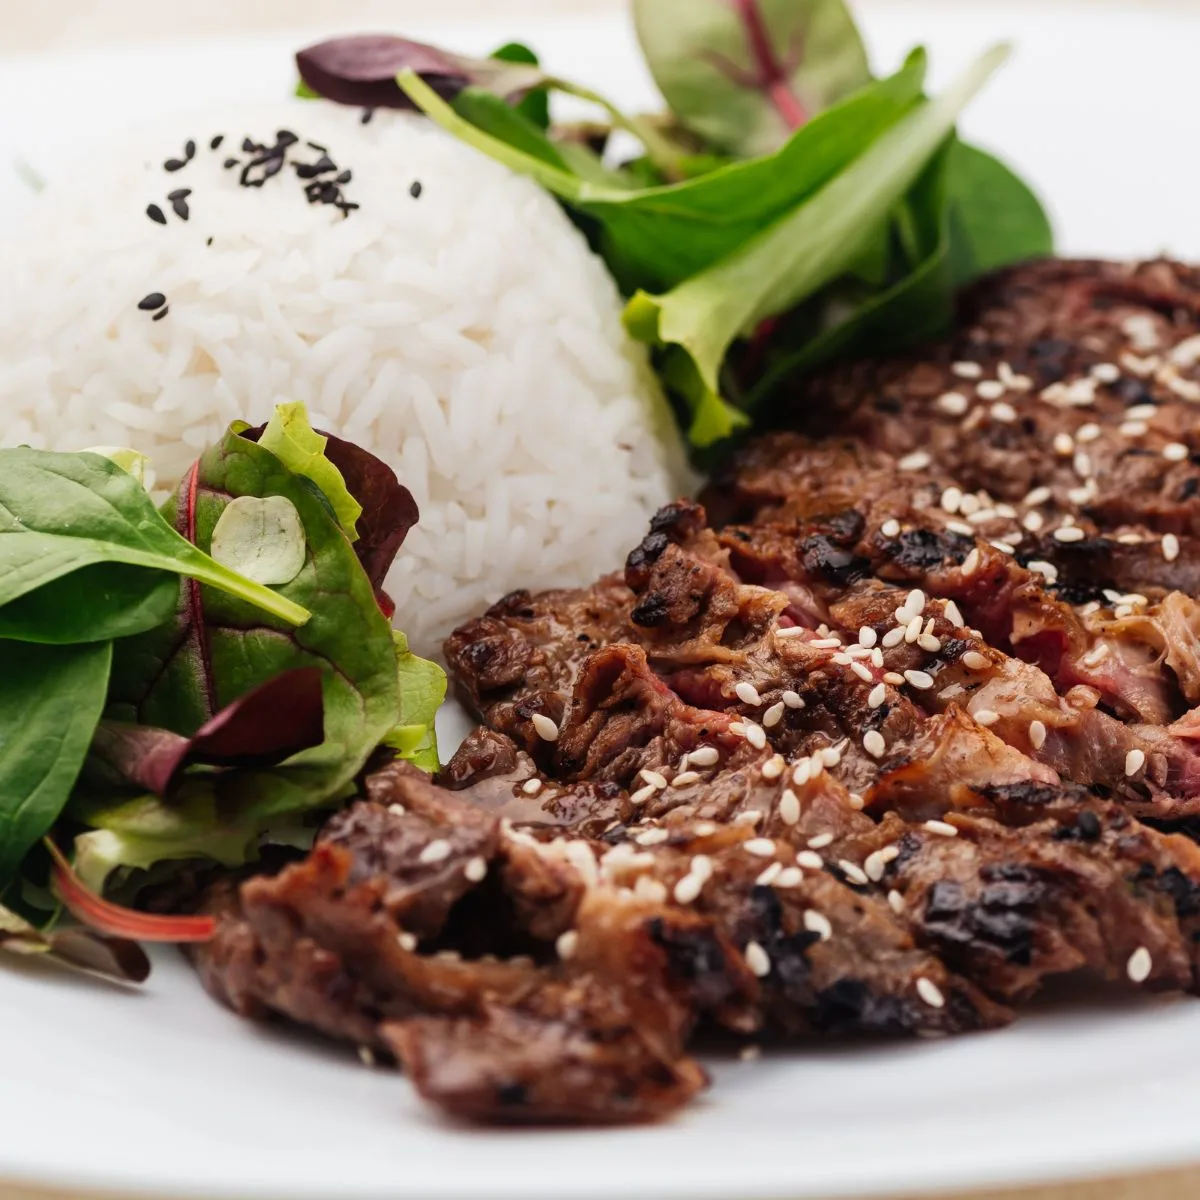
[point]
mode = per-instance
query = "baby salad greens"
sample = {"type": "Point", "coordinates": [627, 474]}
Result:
{"type": "Point", "coordinates": [156, 703]}
{"type": "Point", "coordinates": [787, 210]}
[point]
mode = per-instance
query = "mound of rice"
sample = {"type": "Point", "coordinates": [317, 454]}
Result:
{"type": "Point", "coordinates": [460, 329]}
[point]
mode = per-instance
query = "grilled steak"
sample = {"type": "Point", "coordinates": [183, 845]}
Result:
{"type": "Point", "coordinates": [891, 729]}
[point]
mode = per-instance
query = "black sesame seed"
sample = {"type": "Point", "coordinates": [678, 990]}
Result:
{"type": "Point", "coordinates": [189, 150]}
{"type": "Point", "coordinates": [152, 301]}
{"type": "Point", "coordinates": [344, 177]}
{"type": "Point", "coordinates": [162, 312]}
{"type": "Point", "coordinates": [181, 208]}
{"type": "Point", "coordinates": [215, 144]}
{"type": "Point", "coordinates": [208, 241]}
{"type": "Point", "coordinates": [249, 146]}
{"type": "Point", "coordinates": [416, 190]}
{"type": "Point", "coordinates": [156, 214]}
{"type": "Point", "coordinates": [174, 164]}
{"type": "Point", "coordinates": [317, 147]}
{"type": "Point", "coordinates": [285, 137]}
{"type": "Point", "coordinates": [230, 162]}
{"type": "Point", "coordinates": [368, 113]}
{"type": "Point", "coordinates": [179, 194]}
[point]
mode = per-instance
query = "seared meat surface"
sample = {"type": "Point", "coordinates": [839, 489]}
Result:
{"type": "Point", "coordinates": [895, 726]}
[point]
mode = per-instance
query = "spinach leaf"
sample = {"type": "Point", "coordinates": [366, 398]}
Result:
{"type": "Point", "coordinates": [50, 702]}
{"type": "Point", "coordinates": [950, 245]}
{"type": "Point", "coordinates": [800, 253]}
{"type": "Point", "coordinates": [995, 217]}
{"type": "Point", "coordinates": [659, 237]}
{"type": "Point", "coordinates": [60, 513]}
{"type": "Point", "coordinates": [94, 604]}
{"type": "Point", "coordinates": [535, 107]}
{"type": "Point", "coordinates": [746, 74]}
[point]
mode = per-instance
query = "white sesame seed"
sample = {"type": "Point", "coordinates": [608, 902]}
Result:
{"type": "Point", "coordinates": [970, 504]}
{"type": "Point", "coordinates": [1141, 330]}
{"type": "Point", "coordinates": [890, 529]}
{"type": "Point", "coordinates": [1004, 412]}
{"type": "Point", "coordinates": [1047, 570]}
{"type": "Point", "coordinates": [986, 716]}
{"type": "Point", "coordinates": [1170, 547]}
{"type": "Point", "coordinates": [1033, 521]}
{"type": "Point", "coordinates": [1037, 734]}
{"type": "Point", "coordinates": [643, 794]}
{"type": "Point", "coordinates": [816, 765]}
{"type": "Point", "coordinates": [896, 901]}
{"type": "Point", "coordinates": [863, 672]}
{"type": "Point", "coordinates": [774, 767]}
{"type": "Point", "coordinates": [818, 923]}
{"type": "Point", "coordinates": [951, 499]}
{"type": "Point", "coordinates": [1069, 533]}
{"type": "Point", "coordinates": [747, 693]}
{"type": "Point", "coordinates": [1106, 372]}
{"type": "Point", "coordinates": [755, 736]}
{"type": "Point", "coordinates": [647, 888]}
{"type": "Point", "coordinates": [397, 810]}
{"type": "Point", "coordinates": [894, 678]}
{"type": "Point", "coordinates": [652, 837]}
{"type": "Point", "coordinates": [1175, 452]}
{"type": "Point", "coordinates": [1140, 965]}
{"type": "Point", "coordinates": [1135, 760]}
{"type": "Point", "coordinates": [974, 661]}
{"type": "Point", "coordinates": [982, 516]}
{"type": "Point", "coordinates": [531, 787]}
{"type": "Point", "coordinates": [853, 872]}
{"type": "Point", "coordinates": [918, 460]}
{"type": "Point", "coordinates": [773, 715]}
{"type": "Point", "coordinates": [828, 643]}
{"type": "Point", "coordinates": [789, 877]}
{"type": "Point", "coordinates": [929, 643]}
{"type": "Point", "coordinates": [1093, 658]}
{"type": "Point", "coordinates": [820, 841]}
{"type": "Point", "coordinates": [655, 779]}
{"type": "Point", "coordinates": [437, 851]}
{"type": "Point", "coordinates": [1186, 389]}
{"type": "Point", "coordinates": [921, 680]}
{"type": "Point", "coordinates": [1082, 464]}
{"type": "Point", "coordinates": [893, 637]}
{"type": "Point", "coordinates": [951, 612]}
{"type": "Point", "coordinates": [408, 941]}
{"type": "Point", "coordinates": [1002, 546]}
{"type": "Point", "coordinates": [878, 696]}
{"type": "Point", "coordinates": [757, 960]}
{"type": "Point", "coordinates": [810, 860]}
{"type": "Point", "coordinates": [875, 866]}
{"type": "Point", "coordinates": [1133, 428]}
{"type": "Point", "coordinates": [476, 869]}
{"type": "Point", "coordinates": [685, 779]}
{"type": "Point", "coordinates": [791, 631]}
{"type": "Point", "coordinates": [941, 828]}
{"type": "Point", "coordinates": [566, 944]}
{"type": "Point", "coordinates": [1141, 412]}
{"type": "Point", "coordinates": [789, 807]}
{"type": "Point", "coordinates": [768, 875]}
{"type": "Point", "coordinates": [874, 744]}
{"type": "Point", "coordinates": [1064, 445]}
{"type": "Point", "coordinates": [930, 993]}
{"type": "Point", "coordinates": [701, 866]}
{"type": "Point", "coordinates": [912, 630]}
{"type": "Point", "coordinates": [545, 728]}
{"type": "Point", "coordinates": [1039, 495]}
{"type": "Point", "coordinates": [990, 389]}
{"type": "Point", "coordinates": [703, 829]}
{"type": "Point", "coordinates": [688, 888]}
{"type": "Point", "coordinates": [750, 1053]}
{"type": "Point", "coordinates": [704, 756]}
{"type": "Point", "coordinates": [1087, 433]}
{"type": "Point", "coordinates": [366, 1056]}
{"type": "Point", "coordinates": [915, 602]}
{"type": "Point", "coordinates": [802, 772]}
{"type": "Point", "coordinates": [759, 847]}
{"type": "Point", "coordinates": [967, 370]}
{"type": "Point", "coordinates": [867, 636]}
{"type": "Point", "coordinates": [792, 699]}
{"type": "Point", "coordinates": [971, 562]}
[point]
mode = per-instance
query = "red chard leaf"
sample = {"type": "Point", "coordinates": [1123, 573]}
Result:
{"type": "Point", "coordinates": [267, 725]}
{"type": "Point", "coordinates": [361, 71]}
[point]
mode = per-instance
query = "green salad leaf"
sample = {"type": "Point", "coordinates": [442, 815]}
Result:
{"type": "Point", "coordinates": [60, 513]}
{"type": "Point", "coordinates": [745, 75]}
{"type": "Point", "coordinates": [51, 698]}
{"type": "Point", "coordinates": [422, 690]}
{"type": "Point", "coordinates": [799, 254]}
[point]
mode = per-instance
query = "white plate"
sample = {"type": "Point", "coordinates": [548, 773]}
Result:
{"type": "Point", "coordinates": [160, 1091]}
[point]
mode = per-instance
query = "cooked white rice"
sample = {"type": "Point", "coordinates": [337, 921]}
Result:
{"type": "Point", "coordinates": [467, 336]}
